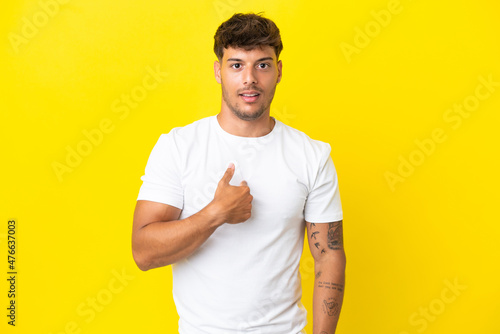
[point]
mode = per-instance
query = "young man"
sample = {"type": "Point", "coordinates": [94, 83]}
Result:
{"type": "Point", "coordinates": [225, 201]}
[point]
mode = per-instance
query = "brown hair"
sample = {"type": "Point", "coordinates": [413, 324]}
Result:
{"type": "Point", "coordinates": [247, 31]}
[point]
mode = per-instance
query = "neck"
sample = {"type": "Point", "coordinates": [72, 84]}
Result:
{"type": "Point", "coordinates": [238, 127]}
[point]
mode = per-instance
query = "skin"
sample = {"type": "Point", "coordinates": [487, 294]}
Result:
{"type": "Point", "coordinates": [159, 238]}
{"type": "Point", "coordinates": [327, 248]}
{"type": "Point", "coordinates": [240, 70]}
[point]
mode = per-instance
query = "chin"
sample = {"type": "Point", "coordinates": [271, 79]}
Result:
{"type": "Point", "coordinates": [248, 116]}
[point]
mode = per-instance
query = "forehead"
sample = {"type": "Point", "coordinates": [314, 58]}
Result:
{"type": "Point", "coordinates": [249, 55]}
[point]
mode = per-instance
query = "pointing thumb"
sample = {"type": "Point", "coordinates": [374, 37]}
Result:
{"type": "Point", "coordinates": [228, 175]}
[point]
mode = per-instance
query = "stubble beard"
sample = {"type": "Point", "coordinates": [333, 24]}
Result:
{"type": "Point", "coordinates": [235, 109]}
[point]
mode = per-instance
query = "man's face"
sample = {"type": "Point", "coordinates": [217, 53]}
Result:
{"type": "Point", "coordinates": [248, 80]}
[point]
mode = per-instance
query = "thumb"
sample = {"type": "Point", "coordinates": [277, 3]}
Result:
{"type": "Point", "coordinates": [228, 175]}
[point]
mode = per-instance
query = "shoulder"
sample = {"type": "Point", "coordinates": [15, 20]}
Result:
{"type": "Point", "coordinates": [191, 129]}
{"type": "Point", "coordinates": [183, 135]}
{"type": "Point", "coordinates": [298, 140]}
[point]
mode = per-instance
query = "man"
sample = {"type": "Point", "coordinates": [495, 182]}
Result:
{"type": "Point", "coordinates": [225, 201]}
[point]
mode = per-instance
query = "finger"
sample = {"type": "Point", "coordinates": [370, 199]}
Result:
{"type": "Point", "coordinates": [228, 175]}
{"type": "Point", "coordinates": [244, 183]}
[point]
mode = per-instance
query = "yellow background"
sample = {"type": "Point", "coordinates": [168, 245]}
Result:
{"type": "Point", "coordinates": [404, 241]}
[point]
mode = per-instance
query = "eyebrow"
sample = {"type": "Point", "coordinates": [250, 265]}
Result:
{"type": "Point", "coordinates": [261, 59]}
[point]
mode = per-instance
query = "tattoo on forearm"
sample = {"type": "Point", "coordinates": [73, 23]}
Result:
{"type": "Point", "coordinates": [335, 235]}
{"type": "Point", "coordinates": [313, 235]}
{"type": "Point", "coordinates": [318, 274]}
{"type": "Point", "coordinates": [331, 307]}
{"type": "Point", "coordinates": [331, 286]}
{"type": "Point", "coordinates": [317, 245]}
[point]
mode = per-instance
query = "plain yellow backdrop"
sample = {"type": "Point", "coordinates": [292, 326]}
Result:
{"type": "Point", "coordinates": [406, 92]}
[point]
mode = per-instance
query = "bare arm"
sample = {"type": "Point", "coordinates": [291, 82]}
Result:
{"type": "Point", "coordinates": [159, 238]}
{"type": "Point", "coordinates": [327, 248]}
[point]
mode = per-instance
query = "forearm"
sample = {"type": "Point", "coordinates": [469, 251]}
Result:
{"type": "Point", "coordinates": [160, 244]}
{"type": "Point", "coordinates": [159, 238]}
{"type": "Point", "coordinates": [328, 294]}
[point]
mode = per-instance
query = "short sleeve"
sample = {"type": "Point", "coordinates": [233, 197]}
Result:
{"type": "Point", "coordinates": [323, 202]}
{"type": "Point", "coordinates": [162, 179]}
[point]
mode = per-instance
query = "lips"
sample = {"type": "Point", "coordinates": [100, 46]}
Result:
{"type": "Point", "coordinates": [250, 96]}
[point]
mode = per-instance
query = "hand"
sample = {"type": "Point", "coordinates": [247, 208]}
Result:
{"type": "Point", "coordinates": [232, 204]}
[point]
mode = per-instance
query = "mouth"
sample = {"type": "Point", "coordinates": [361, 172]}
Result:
{"type": "Point", "coordinates": [250, 97]}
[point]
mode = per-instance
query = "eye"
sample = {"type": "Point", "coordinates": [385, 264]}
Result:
{"type": "Point", "coordinates": [263, 65]}
{"type": "Point", "coordinates": [236, 66]}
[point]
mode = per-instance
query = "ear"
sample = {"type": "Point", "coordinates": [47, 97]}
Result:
{"type": "Point", "coordinates": [217, 71]}
{"type": "Point", "coordinates": [280, 72]}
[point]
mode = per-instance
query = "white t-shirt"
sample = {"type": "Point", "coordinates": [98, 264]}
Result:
{"type": "Point", "coordinates": [245, 277]}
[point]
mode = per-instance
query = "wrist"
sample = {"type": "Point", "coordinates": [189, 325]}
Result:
{"type": "Point", "coordinates": [212, 215]}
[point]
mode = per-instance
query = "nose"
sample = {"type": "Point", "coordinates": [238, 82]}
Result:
{"type": "Point", "coordinates": [249, 76]}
